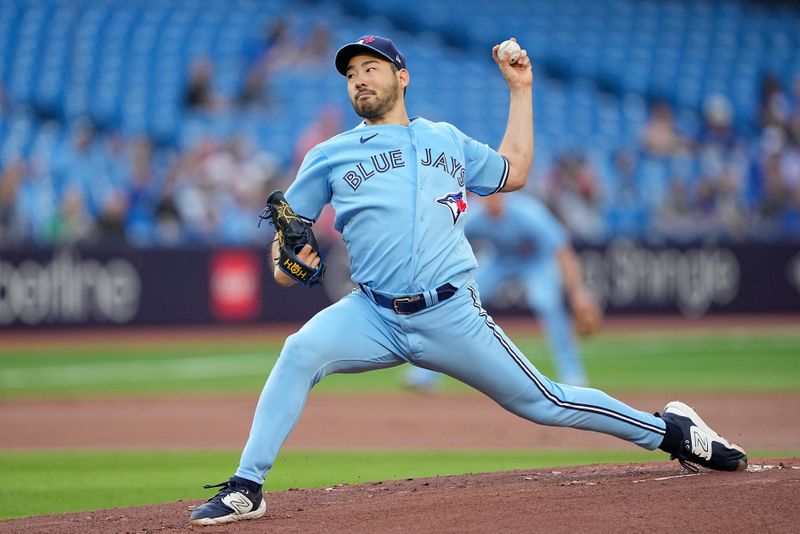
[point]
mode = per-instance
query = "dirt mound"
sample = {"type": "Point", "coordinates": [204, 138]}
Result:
{"type": "Point", "coordinates": [656, 497]}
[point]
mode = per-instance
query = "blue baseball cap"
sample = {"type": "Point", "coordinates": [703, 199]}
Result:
{"type": "Point", "coordinates": [371, 44]}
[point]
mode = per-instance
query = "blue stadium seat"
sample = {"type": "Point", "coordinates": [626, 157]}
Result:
{"type": "Point", "coordinates": [599, 63]}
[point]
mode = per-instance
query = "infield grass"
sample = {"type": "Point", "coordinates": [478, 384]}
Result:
{"type": "Point", "coordinates": [69, 481]}
{"type": "Point", "coordinates": [714, 362]}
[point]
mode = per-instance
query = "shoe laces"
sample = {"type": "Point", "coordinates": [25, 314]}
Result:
{"type": "Point", "coordinates": [225, 488]}
{"type": "Point", "coordinates": [680, 456]}
{"type": "Point", "coordinates": [685, 463]}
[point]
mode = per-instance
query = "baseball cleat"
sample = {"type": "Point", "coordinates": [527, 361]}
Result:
{"type": "Point", "coordinates": [699, 444]}
{"type": "Point", "coordinates": [238, 499]}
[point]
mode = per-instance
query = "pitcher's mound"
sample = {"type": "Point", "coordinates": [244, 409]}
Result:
{"type": "Point", "coordinates": [648, 497]}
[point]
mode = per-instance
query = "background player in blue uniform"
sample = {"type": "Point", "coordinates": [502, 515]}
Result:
{"type": "Point", "coordinates": [520, 240]}
{"type": "Point", "coordinates": [398, 187]}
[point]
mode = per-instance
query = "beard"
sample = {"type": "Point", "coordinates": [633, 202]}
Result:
{"type": "Point", "coordinates": [378, 107]}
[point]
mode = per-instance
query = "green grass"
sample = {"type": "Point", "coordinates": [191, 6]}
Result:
{"type": "Point", "coordinates": [37, 483]}
{"type": "Point", "coordinates": [736, 362]}
{"type": "Point", "coordinates": [718, 362]}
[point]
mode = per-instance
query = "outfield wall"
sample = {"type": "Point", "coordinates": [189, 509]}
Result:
{"type": "Point", "coordinates": [82, 287]}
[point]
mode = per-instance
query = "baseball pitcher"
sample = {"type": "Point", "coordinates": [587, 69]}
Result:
{"type": "Point", "coordinates": [399, 187]}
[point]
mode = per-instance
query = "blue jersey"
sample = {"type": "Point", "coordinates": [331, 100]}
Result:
{"type": "Point", "coordinates": [526, 230]}
{"type": "Point", "coordinates": [399, 193]}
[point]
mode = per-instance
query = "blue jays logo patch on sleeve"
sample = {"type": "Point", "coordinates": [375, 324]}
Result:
{"type": "Point", "coordinates": [456, 203]}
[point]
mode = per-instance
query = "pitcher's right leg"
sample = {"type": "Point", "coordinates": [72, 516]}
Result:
{"type": "Point", "coordinates": [347, 337]}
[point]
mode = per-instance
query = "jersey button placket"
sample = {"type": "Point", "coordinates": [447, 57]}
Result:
{"type": "Point", "coordinates": [418, 207]}
{"type": "Point", "coordinates": [420, 178]}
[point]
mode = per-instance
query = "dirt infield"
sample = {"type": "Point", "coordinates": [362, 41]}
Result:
{"type": "Point", "coordinates": [598, 498]}
{"type": "Point", "coordinates": [467, 421]}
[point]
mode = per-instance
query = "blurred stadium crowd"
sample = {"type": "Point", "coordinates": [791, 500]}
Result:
{"type": "Point", "coordinates": [150, 123]}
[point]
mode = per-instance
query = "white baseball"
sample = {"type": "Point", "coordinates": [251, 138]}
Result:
{"type": "Point", "coordinates": [509, 50]}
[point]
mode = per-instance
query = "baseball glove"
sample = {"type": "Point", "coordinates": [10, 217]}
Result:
{"type": "Point", "coordinates": [292, 234]}
{"type": "Point", "coordinates": [586, 315]}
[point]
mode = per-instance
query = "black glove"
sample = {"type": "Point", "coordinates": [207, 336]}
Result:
{"type": "Point", "coordinates": [292, 234]}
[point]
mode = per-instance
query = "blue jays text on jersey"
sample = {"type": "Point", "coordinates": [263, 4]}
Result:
{"type": "Point", "coordinates": [393, 159]}
{"type": "Point", "coordinates": [455, 168]}
{"type": "Point", "coordinates": [378, 163]}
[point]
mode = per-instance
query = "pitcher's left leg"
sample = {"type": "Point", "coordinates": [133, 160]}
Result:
{"type": "Point", "coordinates": [464, 342]}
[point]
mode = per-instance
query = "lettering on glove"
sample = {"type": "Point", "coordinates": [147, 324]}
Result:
{"type": "Point", "coordinates": [292, 234]}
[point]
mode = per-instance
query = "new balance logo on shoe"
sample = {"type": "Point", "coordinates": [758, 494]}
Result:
{"type": "Point", "coordinates": [700, 444]}
{"type": "Point", "coordinates": [238, 503]}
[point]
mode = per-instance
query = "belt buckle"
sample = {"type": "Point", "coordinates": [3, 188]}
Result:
{"type": "Point", "coordinates": [402, 300]}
